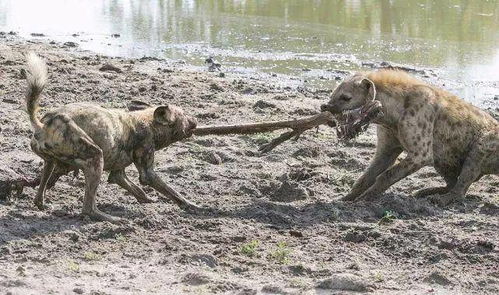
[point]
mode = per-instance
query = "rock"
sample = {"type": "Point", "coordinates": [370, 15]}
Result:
{"type": "Point", "coordinates": [115, 35]}
{"type": "Point", "coordinates": [9, 100]}
{"type": "Point", "coordinates": [37, 35]}
{"type": "Point", "coordinates": [78, 290]}
{"type": "Point", "coordinates": [212, 158]}
{"type": "Point", "coordinates": [289, 192]}
{"type": "Point", "coordinates": [344, 282]}
{"type": "Point", "coordinates": [437, 278]}
{"type": "Point", "coordinates": [216, 87]}
{"type": "Point", "coordinates": [70, 44]}
{"type": "Point", "coordinates": [206, 259]}
{"type": "Point", "coordinates": [248, 291]}
{"type": "Point", "coordinates": [110, 68]}
{"type": "Point", "coordinates": [355, 237]}
{"type": "Point", "coordinates": [196, 279]}
{"type": "Point", "coordinates": [261, 104]}
{"type": "Point", "coordinates": [273, 289]}
{"type": "Point", "coordinates": [296, 233]}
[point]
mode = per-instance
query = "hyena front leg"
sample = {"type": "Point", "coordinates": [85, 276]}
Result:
{"type": "Point", "coordinates": [119, 177]}
{"type": "Point", "coordinates": [416, 141]}
{"type": "Point", "coordinates": [144, 161]}
{"type": "Point", "coordinates": [48, 168]}
{"type": "Point", "coordinates": [399, 171]}
{"type": "Point", "coordinates": [387, 150]}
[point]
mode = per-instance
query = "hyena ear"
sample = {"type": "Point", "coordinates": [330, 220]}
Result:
{"type": "Point", "coordinates": [164, 115]}
{"type": "Point", "coordinates": [137, 105]}
{"type": "Point", "coordinates": [369, 87]}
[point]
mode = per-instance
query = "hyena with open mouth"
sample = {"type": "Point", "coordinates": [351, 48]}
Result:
{"type": "Point", "coordinates": [434, 128]}
{"type": "Point", "coordinates": [87, 137]}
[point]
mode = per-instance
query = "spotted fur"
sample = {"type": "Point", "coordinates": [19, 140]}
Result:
{"type": "Point", "coordinates": [434, 127]}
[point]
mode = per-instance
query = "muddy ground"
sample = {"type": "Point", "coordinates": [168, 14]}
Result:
{"type": "Point", "coordinates": [278, 226]}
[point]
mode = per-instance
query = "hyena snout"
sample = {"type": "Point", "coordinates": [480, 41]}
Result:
{"type": "Point", "coordinates": [187, 126]}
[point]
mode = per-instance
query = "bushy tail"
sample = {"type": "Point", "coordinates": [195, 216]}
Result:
{"type": "Point", "coordinates": [36, 76]}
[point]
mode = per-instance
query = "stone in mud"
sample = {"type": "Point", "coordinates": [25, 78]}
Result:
{"type": "Point", "coordinates": [438, 278]}
{"type": "Point", "coordinates": [344, 282]}
{"type": "Point", "coordinates": [262, 104]}
{"type": "Point", "coordinates": [355, 236]}
{"type": "Point", "coordinates": [70, 44]}
{"type": "Point", "coordinates": [216, 87]}
{"type": "Point", "coordinates": [110, 68]}
{"type": "Point", "coordinates": [296, 233]}
{"type": "Point", "coordinates": [206, 259]}
{"type": "Point", "coordinates": [289, 192]}
{"type": "Point", "coordinates": [37, 35]}
{"type": "Point", "coordinates": [196, 279]}
{"type": "Point", "coordinates": [273, 289]}
{"type": "Point", "coordinates": [212, 158]}
{"type": "Point", "coordinates": [308, 152]}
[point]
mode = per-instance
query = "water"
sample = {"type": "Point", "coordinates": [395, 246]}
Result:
{"type": "Point", "coordinates": [303, 39]}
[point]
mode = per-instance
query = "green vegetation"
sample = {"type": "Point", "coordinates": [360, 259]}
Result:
{"type": "Point", "coordinates": [120, 237]}
{"type": "Point", "coordinates": [91, 256]}
{"type": "Point", "coordinates": [281, 254]}
{"type": "Point", "coordinates": [73, 266]}
{"type": "Point", "coordinates": [388, 217]}
{"type": "Point", "coordinates": [249, 249]}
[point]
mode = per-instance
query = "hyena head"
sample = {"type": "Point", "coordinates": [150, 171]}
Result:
{"type": "Point", "coordinates": [174, 118]}
{"type": "Point", "coordinates": [351, 94]}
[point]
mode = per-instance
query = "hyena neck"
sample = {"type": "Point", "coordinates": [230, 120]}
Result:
{"type": "Point", "coordinates": [392, 109]}
{"type": "Point", "coordinates": [162, 136]}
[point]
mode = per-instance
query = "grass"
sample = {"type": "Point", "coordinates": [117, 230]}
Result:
{"type": "Point", "coordinates": [120, 237]}
{"type": "Point", "coordinates": [73, 266]}
{"type": "Point", "coordinates": [91, 256]}
{"type": "Point", "coordinates": [250, 249]}
{"type": "Point", "coordinates": [261, 138]}
{"type": "Point", "coordinates": [387, 218]}
{"type": "Point", "coordinates": [378, 277]}
{"type": "Point", "coordinates": [281, 254]}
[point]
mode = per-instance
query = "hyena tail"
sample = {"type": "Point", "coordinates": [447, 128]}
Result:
{"type": "Point", "coordinates": [36, 76]}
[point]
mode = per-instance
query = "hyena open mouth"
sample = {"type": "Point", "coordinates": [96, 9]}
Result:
{"type": "Point", "coordinates": [352, 122]}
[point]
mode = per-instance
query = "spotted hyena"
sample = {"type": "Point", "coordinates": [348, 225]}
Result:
{"type": "Point", "coordinates": [87, 137]}
{"type": "Point", "coordinates": [434, 127]}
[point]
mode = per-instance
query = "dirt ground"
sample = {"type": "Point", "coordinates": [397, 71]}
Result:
{"type": "Point", "coordinates": [277, 226]}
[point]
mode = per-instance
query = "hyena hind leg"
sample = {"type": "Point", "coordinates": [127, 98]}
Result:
{"type": "Point", "coordinates": [482, 159]}
{"type": "Point", "coordinates": [450, 182]}
{"type": "Point", "coordinates": [48, 168]}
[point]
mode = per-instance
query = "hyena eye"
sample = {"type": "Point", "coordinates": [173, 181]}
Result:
{"type": "Point", "coordinates": [345, 97]}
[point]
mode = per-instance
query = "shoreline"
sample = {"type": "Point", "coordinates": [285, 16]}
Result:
{"type": "Point", "coordinates": [287, 200]}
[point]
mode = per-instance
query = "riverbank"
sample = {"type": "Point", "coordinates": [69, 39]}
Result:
{"type": "Point", "coordinates": [279, 227]}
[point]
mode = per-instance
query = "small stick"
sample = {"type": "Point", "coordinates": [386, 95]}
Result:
{"type": "Point", "coordinates": [298, 126]}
